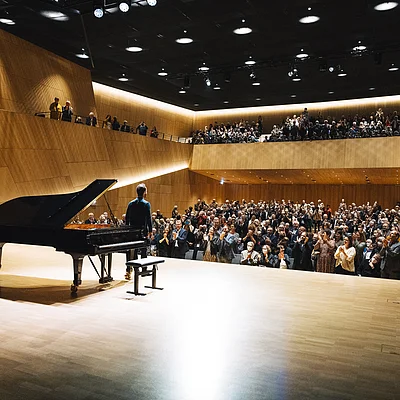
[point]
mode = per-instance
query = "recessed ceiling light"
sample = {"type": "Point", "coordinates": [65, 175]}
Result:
{"type": "Point", "coordinates": [182, 91]}
{"type": "Point", "coordinates": [134, 49]}
{"type": "Point", "coordinates": [296, 79]}
{"type": "Point", "coordinates": [393, 68]}
{"type": "Point", "coordinates": [204, 68]}
{"type": "Point", "coordinates": [388, 5]}
{"type": "Point", "coordinates": [152, 3]}
{"type": "Point", "coordinates": [184, 40]}
{"type": "Point", "coordinates": [208, 82]}
{"type": "Point", "coordinates": [293, 95]}
{"type": "Point", "coordinates": [162, 72]}
{"type": "Point", "coordinates": [216, 87]}
{"type": "Point", "coordinates": [341, 74]}
{"type": "Point", "coordinates": [258, 99]}
{"type": "Point", "coordinates": [196, 104]}
{"type": "Point", "coordinates": [226, 102]}
{"type": "Point", "coordinates": [256, 83]}
{"type": "Point", "coordinates": [55, 15]}
{"type": "Point", "coordinates": [250, 61]}
{"type": "Point", "coordinates": [244, 30]}
{"type": "Point", "coordinates": [331, 92]}
{"type": "Point", "coordinates": [309, 19]}
{"type": "Point", "coordinates": [7, 21]}
{"type": "Point", "coordinates": [123, 78]}
{"type": "Point", "coordinates": [124, 6]}
{"type": "Point", "coordinates": [371, 88]}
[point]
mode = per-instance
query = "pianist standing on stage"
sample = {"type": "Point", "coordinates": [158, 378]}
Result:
{"type": "Point", "coordinates": [138, 215]}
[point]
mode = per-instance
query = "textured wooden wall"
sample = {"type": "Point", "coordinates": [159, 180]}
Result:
{"type": "Point", "coordinates": [43, 156]}
{"type": "Point", "coordinates": [30, 78]}
{"type": "Point", "coordinates": [275, 114]}
{"type": "Point", "coordinates": [169, 119]}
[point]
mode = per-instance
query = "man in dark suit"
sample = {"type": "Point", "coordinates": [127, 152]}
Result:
{"type": "Point", "coordinates": [302, 253]}
{"type": "Point", "coordinates": [138, 215]}
{"type": "Point", "coordinates": [91, 120]}
{"type": "Point", "coordinates": [179, 241]}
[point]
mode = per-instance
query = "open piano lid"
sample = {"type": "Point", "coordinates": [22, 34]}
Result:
{"type": "Point", "coordinates": [51, 211]}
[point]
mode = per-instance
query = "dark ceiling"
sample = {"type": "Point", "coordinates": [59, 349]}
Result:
{"type": "Point", "coordinates": [276, 38]}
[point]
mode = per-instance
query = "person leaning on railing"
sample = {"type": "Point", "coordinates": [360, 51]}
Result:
{"type": "Point", "coordinates": [55, 109]}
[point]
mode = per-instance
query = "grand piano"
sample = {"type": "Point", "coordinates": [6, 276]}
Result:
{"type": "Point", "coordinates": [44, 221]}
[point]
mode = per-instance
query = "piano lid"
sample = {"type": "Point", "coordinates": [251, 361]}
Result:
{"type": "Point", "coordinates": [51, 211]}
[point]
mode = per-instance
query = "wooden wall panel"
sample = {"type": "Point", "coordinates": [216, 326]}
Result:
{"type": "Point", "coordinates": [354, 153]}
{"type": "Point", "coordinates": [386, 195]}
{"type": "Point", "coordinates": [168, 119]}
{"type": "Point", "coordinates": [30, 78]}
{"type": "Point", "coordinates": [275, 114]}
{"type": "Point", "coordinates": [43, 156]}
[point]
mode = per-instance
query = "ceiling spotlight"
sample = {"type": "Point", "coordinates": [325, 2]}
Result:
{"type": "Point", "coordinates": [331, 92]}
{"type": "Point", "coordinates": [208, 82]}
{"type": "Point", "coordinates": [296, 78]}
{"type": "Point", "coordinates": [252, 75]}
{"type": "Point", "coordinates": [244, 30]}
{"type": "Point", "coordinates": [250, 61]}
{"type": "Point", "coordinates": [371, 88]}
{"type": "Point", "coordinates": [98, 8]}
{"type": "Point", "coordinates": [302, 55]}
{"type": "Point", "coordinates": [152, 3]}
{"type": "Point", "coordinates": [309, 19]}
{"type": "Point", "coordinates": [124, 5]}
{"type": "Point", "coordinates": [341, 73]}
{"type": "Point", "coordinates": [393, 68]}
{"type": "Point", "coordinates": [204, 68]}
{"type": "Point", "coordinates": [360, 48]}
{"type": "Point", "coordinates": [184, 39]}
{"type": "Point", "coordinates": [226, 102]}
{"type": "Point", "coordinates": [388, 5]}
{"type": "Point", "coordinates": [293, 96]}
{"type": "Point", "coordinates": [258, 99]}
{"type": "Point", "coordinates": [216, 87]}
{"type": "Point", "coordinates": [123, 78]}
{"type": "Point", "coordinates": [162, 72]}
{"type": "Point", "coordinates": [7, 21]}
{"type": "Point", "coordinates": [54, 15]}
{"type": "Point", "coordinates": [134, 49]}
{"type": "Point", "coordinates": [290, 73]}
{"type": "Point", "coordinates": [82, 55]}
{"type": "Point", "coordinates": [331, 69]}
{"type": "Point", "coordinates": [256, 83]}
{"type": "Point", "coordinates": [182, 91]}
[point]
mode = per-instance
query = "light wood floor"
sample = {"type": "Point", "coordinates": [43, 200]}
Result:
{"type": "Point", "coordinates": [216, 332]}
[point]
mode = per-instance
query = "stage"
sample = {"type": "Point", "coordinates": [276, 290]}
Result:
{"type": "Point", "coordinates": [216, 331]}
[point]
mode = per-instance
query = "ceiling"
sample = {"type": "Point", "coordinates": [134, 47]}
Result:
{"type": "Point", "coordinates": [276, 38]}
{"type": "Point", "coordinates": [344, 176]}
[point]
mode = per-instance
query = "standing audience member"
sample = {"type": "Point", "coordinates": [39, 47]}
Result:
{"type": "Point", "coordinates": [369, 266]}
{"type": "Point", "coordinates": [326, 247]}
{"type": "Point", "coordinates": [179, 245]}
{"type": "Point", "coordinates": [67, 112]}
{"type": "Point", "coordinates": [115, 124]}
{"type": "Point", "coordinates": [125, 127]}
{"type": "Point", "coordinates": [142, 129]}
{"type": "Point", "coordinates": [302, 253]}
{"type": "Point", "coordinates": [211, 244]}
{"type": "Point", "coordinates": [390, 254]}
{"type": "Point", "coordinates": [164, 244]}
{"type": "Point", "coordinates": [344, 257]}
{"type": "Point", "coordinates": [107, 123]}
{"type": "Point", "coordinates": [55, 109]}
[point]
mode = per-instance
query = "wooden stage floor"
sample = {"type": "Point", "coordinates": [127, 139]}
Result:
{"type": "Point", "coordinates": [216, 332]}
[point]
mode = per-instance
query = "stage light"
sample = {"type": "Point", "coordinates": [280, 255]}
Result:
{"type": "Point", "coordinates": [152, 3]}
{"type": "Point", "coordinates": [98, 8]}
{"type": "Point", "coordinates": [244, 30]}
{"type": "Point", "coordinates": [226, 102]}
{"type": "Point", "coordinates": [124, 5]}
{"type": "Point", "coordinates": [162, 72]}
{"type": "Point", "coordinates": [250, 61]}
{"type": "Point", "coordinates": [393, 68]}
{"type": "Point", "coordinates": [184, 39]}
{"type": "Point", "coordinates": [204, 68]}
{"type": "Point", "coordinates": [134, 49]}
{"type": "Point", "coordinates": [182, 91]}
{"type": "Point", "coordinates": [256, 83]}
{"type": "Point", "coordinates": [309, 19]}
{"type": "Point", "coordinates": [82, 55]}
{"type": "Point", "coordinates": [208, 82]}
{"type": "Point", "coordinates": [216, 87]}
{"type": "Point", "coordinates": [341, 73]}
{"type": "Point", "coordinates": [388, 5]}
{"type": "Point", "coordinates": [302, 55]}
{"type": "Point", "coordinates": [331, 69]}
{"type": "Point", "coordinates": [296, 78]}
{"type": "Point", "coordinates": [123, 78]}
{"type": "Point", "coordinates": [252, 75]}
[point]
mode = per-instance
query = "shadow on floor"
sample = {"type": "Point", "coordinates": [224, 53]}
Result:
{"type": "Point", "coordinates": [47, 291]}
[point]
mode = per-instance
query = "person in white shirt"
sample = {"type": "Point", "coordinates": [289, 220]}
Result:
{"type": "Point", "coordinates": [344, 257]}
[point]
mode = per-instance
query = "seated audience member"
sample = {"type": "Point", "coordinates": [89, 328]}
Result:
{"type": "Point", "coordinates": [91, 120]}
{"type": "Point", "coordinates": [55, 109]}
{"type": "Point", "coordinates": [142, 129]}
{"type": "Point", "coordinates": [67, 112]}
{"type": "Point", "coordinates": [107, 123]}
{"type": "Point", "coordinates": [78, 120]}
{"type": "Point", "coordinates": [125, 127]}
{"type": "Point", "coordinates": [249, 256]}
{"type": "Point", "coordinates": [122, 221]}
{"type": "Point", "coordinates": [154, 132]}
{"type": "Point", "coordinates": [267, 259]}
{"type": "Point", "coordinates": [91, 219]}
{"type": "Point", "coordinates": [115, 124]}
{"type": "Point", "coordinates": [283, 261]}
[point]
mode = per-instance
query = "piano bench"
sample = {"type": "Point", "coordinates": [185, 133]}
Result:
{"type": "Point", "coordinates": [140, 268]}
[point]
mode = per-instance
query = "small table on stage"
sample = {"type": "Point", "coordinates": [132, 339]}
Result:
{"type": "Point", "coordinates": [140, 268]}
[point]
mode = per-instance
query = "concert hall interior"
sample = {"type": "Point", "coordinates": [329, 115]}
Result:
{"type": "Point", "coordinates": [217, 330]}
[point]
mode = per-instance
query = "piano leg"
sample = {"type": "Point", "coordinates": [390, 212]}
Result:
{"type": "Point", "coordinates": [78, 260]}
{"type": "Point", "coordinates": [1, 251]}
{"type": "Point", "coordinates": [103, 259]}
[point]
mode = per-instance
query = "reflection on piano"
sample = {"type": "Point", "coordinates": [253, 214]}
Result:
{"type": "Point", "coordinates": [43, 221]}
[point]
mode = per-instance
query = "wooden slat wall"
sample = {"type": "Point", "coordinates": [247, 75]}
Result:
{"type": "Point", "coordinates": [43, 156]}
{"type": "Point", "coordinates": [276, 114]}
{"type": "Point", "coordinates": [386, 195]}
{"type": "Point", "coordinates": [30, 78]}
{"type": "Point", "coordinates": [168, 119]}
{"type": "Point", "coordinates": [356, 153]}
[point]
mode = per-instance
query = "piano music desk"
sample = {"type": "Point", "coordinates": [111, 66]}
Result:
{"type": "Point", "coordinates": [140, 269]}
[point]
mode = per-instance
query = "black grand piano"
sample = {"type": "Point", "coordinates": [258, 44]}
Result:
{"type": "Point", "coordinates": [43, 221]}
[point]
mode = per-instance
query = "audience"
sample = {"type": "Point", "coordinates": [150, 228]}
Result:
{"type": "Point", "coordinates": [91, 120]}
{"type": "Point", "coordinates": [67, 112]}
{"type": "Point", "coordinates": [55, 109]}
